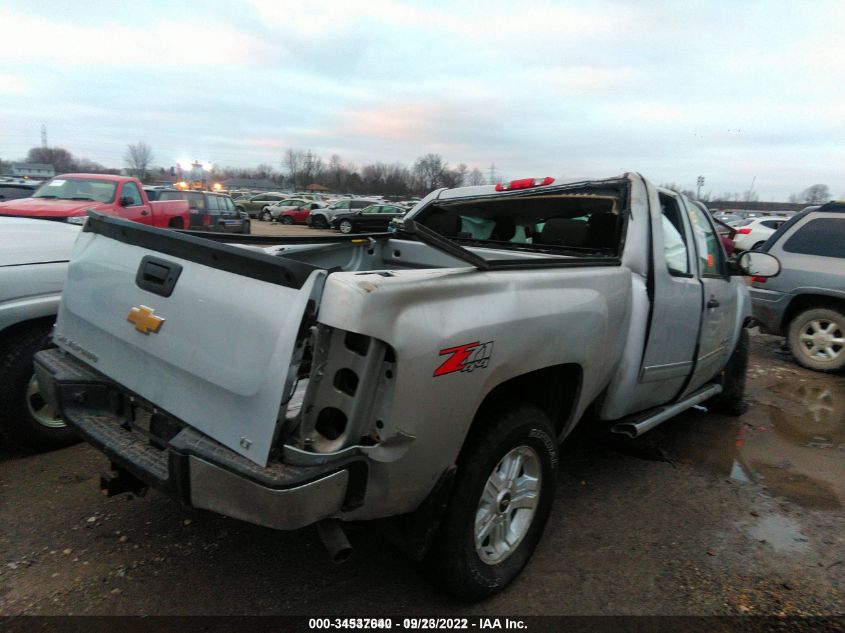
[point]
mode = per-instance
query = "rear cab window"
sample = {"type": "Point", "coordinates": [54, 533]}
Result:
{"type": "Point", "coordinates": [578, 221]}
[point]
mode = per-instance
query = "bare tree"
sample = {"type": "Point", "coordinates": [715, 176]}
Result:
{"type": "Point", "coordinates": [61, 159]}
{"type": "Point", "coordinates": [429, 171]}
{"type": "Point", "coordinates": [139, 158]}
{"type": "Point", "coordinates": [475, 178]}
{"type": "Point", "coordinates": [312, 167]}
{"type": "Point", "coordinates": [816, 194]}
{"type": "Point", "coordinates": [292, 162]}
{"type": "Point", "coordinates": [264, 170]}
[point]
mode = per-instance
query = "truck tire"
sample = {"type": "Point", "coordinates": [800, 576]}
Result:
{"type": "Point", "coordinates": [319, 222]}
{"type": "Point", "coordinates": [500, 503]}
{"type": "Point", "coordinates": [25, 418]}
{"type": "Point", "coordinates": [816, 338]}
{"type": "Point", "coordinates": [176, 223]}
{"type": "Point", "coordinates": [732, 399]}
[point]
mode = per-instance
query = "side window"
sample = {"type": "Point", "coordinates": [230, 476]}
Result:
{"type": "Point", "coordinates": [674, 244]}
{"type": "Point", "coordinates": [230, 205]}
{"type": "Point", "coordinates": [214, 205]}
{"type": "Point", "coordinates": [130, 190]}
{"type": "Point", "coordinates": [824, 237]}
{"type": "Point", "coordinates": [197, 202]}
{"type": "Point", "coordinates": [707, 243]}
{"type": "Point", "coordinates": [342, 205]}
{"type": "Point", "coordinates": [359, 204]}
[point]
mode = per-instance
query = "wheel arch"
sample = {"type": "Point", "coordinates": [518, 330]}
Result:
{"type": "Point", "coordinates": [554, 390]}
{"type": "Point", "coordinates": [807, 301]}
{"type": "Point", "coordinates": [45, 321]}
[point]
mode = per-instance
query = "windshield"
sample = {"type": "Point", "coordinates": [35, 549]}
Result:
{"type": "Point", "coordinates": [78, 189]}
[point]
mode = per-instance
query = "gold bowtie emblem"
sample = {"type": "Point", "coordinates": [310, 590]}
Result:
{"type": "Point", "coordinates": [144, 320]}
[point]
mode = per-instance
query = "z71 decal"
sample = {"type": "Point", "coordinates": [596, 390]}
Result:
{"type": "Point", "coordinates": [467, 357]}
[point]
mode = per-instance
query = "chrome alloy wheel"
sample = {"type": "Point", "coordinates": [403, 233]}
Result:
{"type": "Point", "coordinates": [822, 339]}
{"type": "Point", "coordinates": [39, 409]}
{"type": "Point", "coordinates": [508, 504]}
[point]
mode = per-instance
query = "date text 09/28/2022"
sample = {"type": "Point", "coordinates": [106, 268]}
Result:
{"type": "Point", "coordinates": [416, 623]}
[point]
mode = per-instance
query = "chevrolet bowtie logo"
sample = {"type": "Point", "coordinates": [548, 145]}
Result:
{"type": "Point", "coordinates": [144, 319]}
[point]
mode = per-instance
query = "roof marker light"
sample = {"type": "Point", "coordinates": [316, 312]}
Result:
{"type": "Point", "coordinates": [524, 183]}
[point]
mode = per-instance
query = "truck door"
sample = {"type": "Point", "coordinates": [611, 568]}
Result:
{"type": "Point", "coordinates": [720, 298]}
{"type": "Point", "coordinates": [131, 205]}
{"type": "Point", "coordinates": [676, 308]}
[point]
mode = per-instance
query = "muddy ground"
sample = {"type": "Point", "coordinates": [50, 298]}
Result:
{"type": "Point", "coordinates": [704, 515]}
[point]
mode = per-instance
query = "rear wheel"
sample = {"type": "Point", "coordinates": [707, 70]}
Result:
{"type": "Point", "coordinates": [500, 504]}
{"type": "Point", "coordinates": [319, 222]}
{"type": "Point", "coordinates": [176, 223]}
{"type": "Point", "coordinates": [286, 219]}
{"type": "Point", "coordinates": [25, 417]}
{"type": "Point", "coordinates": [266, 216]}
{"type": "Point", "coordinates": [816, 339]}
{"type": "Point", "coordinates": [345, 226]}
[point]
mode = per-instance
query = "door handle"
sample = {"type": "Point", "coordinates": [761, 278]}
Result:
{"type": "Point", "coordinates": [713, 303]}
{"type": "Point", "coordinates": [145, 212]}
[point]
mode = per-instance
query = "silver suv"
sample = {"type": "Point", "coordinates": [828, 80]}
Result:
{"type": "Point", "coordinates": [321, 218]}
{"type": "Point", "coordinates": [806, 302]}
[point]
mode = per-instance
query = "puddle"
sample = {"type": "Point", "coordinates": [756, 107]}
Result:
{"type": "Point", "coordinates": [782, 533]}
{"type": "Point", "coordinates": [791, 441]}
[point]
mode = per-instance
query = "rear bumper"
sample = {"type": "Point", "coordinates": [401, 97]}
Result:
{"type": "Point", "coordinates": [192, 467]}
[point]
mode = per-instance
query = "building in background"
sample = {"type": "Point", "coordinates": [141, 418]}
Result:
{"type": "Point", "coordinates": [34, 171]}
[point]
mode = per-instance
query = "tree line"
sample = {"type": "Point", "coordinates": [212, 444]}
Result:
{"type": "Point", "coordinates": [814, 194]}
{"type": "Point", "coordinates": [303, 167]}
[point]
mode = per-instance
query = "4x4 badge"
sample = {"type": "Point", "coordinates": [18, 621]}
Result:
{"type": "Point", "coordinates": [144, 320]}
{"type": "Point", "coordinates": [467, 357]}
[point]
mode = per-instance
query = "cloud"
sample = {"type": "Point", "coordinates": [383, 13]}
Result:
{"type": "Point", "coordinates": [14, 85]}
{"type": "Point", "coordinates": [172, 44]}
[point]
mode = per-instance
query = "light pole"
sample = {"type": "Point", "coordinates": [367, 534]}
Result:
{"type": "Point", "coordinates": [700, 182]}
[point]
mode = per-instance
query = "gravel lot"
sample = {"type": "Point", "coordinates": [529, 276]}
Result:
{"type": "Point", "coordinates": [704, 515]}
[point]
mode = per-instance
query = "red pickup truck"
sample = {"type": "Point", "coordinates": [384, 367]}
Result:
{"type": "Point", "coordinates": [68, 197]}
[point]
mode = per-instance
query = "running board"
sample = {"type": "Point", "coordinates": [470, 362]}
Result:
{"type": "Point", "coordinates": [639, 424]}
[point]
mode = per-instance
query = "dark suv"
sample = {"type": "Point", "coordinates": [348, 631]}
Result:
{"type": "Point", "coordinates": [210, 211]}
{"type": "Point", "coordinates": [806, 302]}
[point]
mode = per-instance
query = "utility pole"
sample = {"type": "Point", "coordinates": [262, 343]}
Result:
{"type": "Point", "coordinates": [492, 173]}
{"type": "Point", "coordinates": [700, 183]}
{"type": "Point", "coordinates": [43, 136]}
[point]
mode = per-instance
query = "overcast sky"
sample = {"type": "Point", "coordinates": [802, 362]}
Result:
{"type": "Point", "coordinates": [728, 90]}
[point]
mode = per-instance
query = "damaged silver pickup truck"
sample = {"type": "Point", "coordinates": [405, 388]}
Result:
{"type": "Point", "coordinates": [426, 374]}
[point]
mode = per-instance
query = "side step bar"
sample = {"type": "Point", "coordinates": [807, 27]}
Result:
{"type": "Point", "coordinates": [640, 423]}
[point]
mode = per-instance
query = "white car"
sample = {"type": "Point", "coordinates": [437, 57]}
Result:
{"type": "Point", "coordinates": [33, 266]}
{"type": "Point", "coordinates": [753, 233]}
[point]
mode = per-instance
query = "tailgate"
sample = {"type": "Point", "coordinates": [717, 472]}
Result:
{"type": "Point", "coordinates": [220, 360]}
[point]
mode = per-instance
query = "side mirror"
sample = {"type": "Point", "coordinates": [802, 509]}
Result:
{"type": "Point", "coordinates": [125, 201]}
{"type": "Point", "coordinates": [758, 264]}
